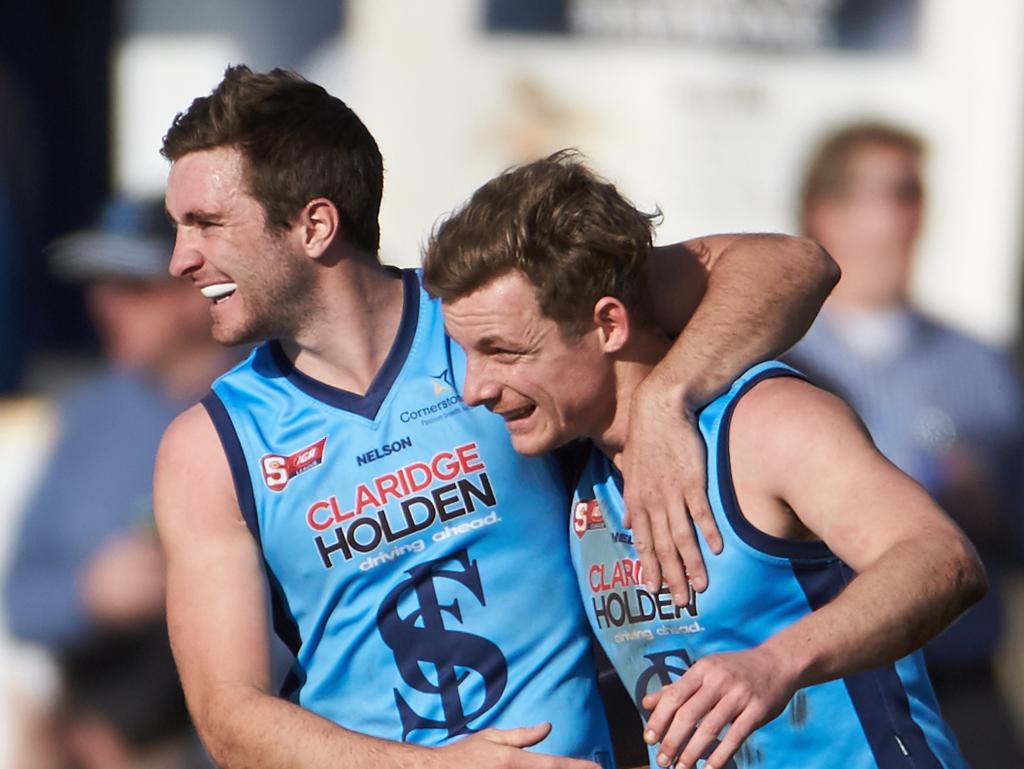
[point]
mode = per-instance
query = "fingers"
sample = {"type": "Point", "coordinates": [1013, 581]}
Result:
{"type": "Point", "coordinates": [700, 513]}
{"type": "Point", "coordinates": [666, 550]}
{"type": "Point", "coordinates": [721, 692]}
{"type": "Point", "coordinates": [521, 737]}
{"type": "Point", "coordinates": [557, 762]}
{"type": "Point", "coordinates": [666, 702]}
{"type": "Point", "coordinates": [687, 551]}
{"type": "Point", "coordinates": [643, 544]}
{"type": "Point", "coordinates": [738, 732]}
{"type": "Point", "coordinates": [664, 533]}
{"type": "Point", "coordinates": [702, 737]}
{"type": "Point", "coordinates": [696, 725]}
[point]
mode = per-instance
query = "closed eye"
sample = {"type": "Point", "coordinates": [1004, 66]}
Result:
{"type": "Point", "coordinates": [201, 220]}
{"type": "Point", "coordinates": [500, 350]}
{"type": "Point", "coordinates": [505, 356]}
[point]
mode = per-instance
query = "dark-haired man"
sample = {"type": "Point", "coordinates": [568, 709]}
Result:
{"type": "Point", "coordinates": [836, 566]}
{"type": "Point", "coordinates": [418, 567]}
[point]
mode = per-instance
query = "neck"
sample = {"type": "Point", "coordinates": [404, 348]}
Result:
{"type": "Point", "coordinates": [632, 365]}
{"type": "Point", "coordinates": [356, 323]}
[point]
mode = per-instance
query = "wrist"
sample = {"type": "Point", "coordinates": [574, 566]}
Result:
{"type": "Point", "coordinates": [665, 394]}
{"type": "Point", "coordinates": [794, 657]}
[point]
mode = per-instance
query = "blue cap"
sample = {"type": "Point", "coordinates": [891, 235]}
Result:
{"type": "Point", "coordinates": [131, 239]}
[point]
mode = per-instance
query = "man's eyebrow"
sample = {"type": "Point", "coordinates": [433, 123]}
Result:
{"type": "Point", "coordinates": [192, 217]}
{"type": "Point", "coordinates": [493, 340]}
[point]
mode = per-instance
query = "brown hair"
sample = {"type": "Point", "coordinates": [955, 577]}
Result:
{"type": "Point", "coordinates": [572, 234]}
{"type": "Point", "coordinates": [828, 172]}
{"type": "Point", "coordinates": [298, 143]}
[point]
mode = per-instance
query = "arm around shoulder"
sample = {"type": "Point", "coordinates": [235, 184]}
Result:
{"type": "Point", "coordinates": [733, 300]}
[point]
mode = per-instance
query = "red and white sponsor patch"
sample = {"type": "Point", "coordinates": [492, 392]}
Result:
{"type": "Point", "coordinates": [587, 515]}
{"type": "Point", "coordinates": [279, 469]}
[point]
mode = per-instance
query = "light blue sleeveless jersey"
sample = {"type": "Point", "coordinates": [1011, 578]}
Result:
{"type": "Point", "coordinates": [419, 566]}
{"type": "Point", "coordinates": [881, 719]}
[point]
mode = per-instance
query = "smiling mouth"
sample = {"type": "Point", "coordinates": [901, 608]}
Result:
{"type": "Point", "coordinates": [218, 292]}
{"type": "Point", "coordinates": [516, 414]}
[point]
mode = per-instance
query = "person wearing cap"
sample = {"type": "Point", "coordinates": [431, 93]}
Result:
{"type": "Point", "coordinates": [94, 498]}
{"type": "Point", "coordinates": [86, 576]}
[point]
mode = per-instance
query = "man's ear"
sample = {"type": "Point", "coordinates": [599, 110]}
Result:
{"type": "Point", "coordinates": [612, 321]}
{"type": "Point", "coordinates": [318, 226]}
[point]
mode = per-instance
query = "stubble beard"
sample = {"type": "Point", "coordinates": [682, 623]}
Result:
{"type": "Point", "coordinates": [279, 303]}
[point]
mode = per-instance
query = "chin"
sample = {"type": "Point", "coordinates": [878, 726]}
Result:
{"type": "Point", "coordinates": [230, 337]}
{"type": "Point", "coordinates": [533, 445]}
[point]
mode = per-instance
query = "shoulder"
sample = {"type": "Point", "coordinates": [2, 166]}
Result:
{"type": "Point", "coordinates": [190, 430]}
{"type": "Point", "coordinates": [192, 473]}
{"type": "Point", "coordinates": [786, 417]}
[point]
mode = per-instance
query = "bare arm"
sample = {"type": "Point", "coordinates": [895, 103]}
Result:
{"type": "Point", "coordinates": [803, 466]}
{"type": "Point", "coordinates": [881, 523]}
{"type": "Point", "coordinates": [737, 299]}
{"type": "Point", "coordinates": [216, 611]}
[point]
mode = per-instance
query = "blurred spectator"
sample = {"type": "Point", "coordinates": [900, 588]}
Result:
{"type": "Point", "coordinates": [944, 408]}
{"type": "Point", "coordinates": [123, 708]}
{"type": "Point", "coordinates": [87, 578]}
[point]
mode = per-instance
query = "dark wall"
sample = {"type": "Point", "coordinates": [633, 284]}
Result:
{"type": "Point", "coordinates": [54, 156]}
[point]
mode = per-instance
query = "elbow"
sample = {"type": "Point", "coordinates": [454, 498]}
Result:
{"type": "Point", "coordinates": [826, 266]}
{"type": "Point", "coordinates": [215, 715]}
{"type": "Point", "coordinates": [969, 578]}
{"type": "Point", "coordinates": [976, 582]}
{"type": "Point", "coordinates": [208, 716]}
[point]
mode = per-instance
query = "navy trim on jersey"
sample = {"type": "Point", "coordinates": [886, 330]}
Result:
{"type": "Point", "coordinates": [572, 461]}
{"type": "Point", "coordinates": [448, 342]}
{"type": "Point", "coordinates": [878, 695]}
{"type": "Point", "coordinates": [753, 536]}
{"type": "Point", "coordinates": [287, 629]}
{"type": "Point", "coordinates": [236, 461]}
{"type": "Point", "coordinates": [369, 404]}
{"type": "Point", "coordinates": [285, 625]}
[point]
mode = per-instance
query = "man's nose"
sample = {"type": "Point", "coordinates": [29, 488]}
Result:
{"type": "Point", "coordinates": [480, 388]}
{"type": "Point", "coordinates": [185, 258]}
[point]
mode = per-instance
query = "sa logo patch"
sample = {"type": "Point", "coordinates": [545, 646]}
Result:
{"type": "Point", "coordinates": [278, 469]}
{"type": "Point", "coordinates": [587, 515]}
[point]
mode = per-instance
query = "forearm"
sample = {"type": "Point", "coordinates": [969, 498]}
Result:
{"type": "Point", "coordinates": [909, 595]}
{"type": "Point", "coordinates": [249, 729]}
{"type": "Point", "coordinates": [763, 292]}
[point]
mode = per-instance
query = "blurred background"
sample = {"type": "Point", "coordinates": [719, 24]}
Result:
{"type": "Point", "coordinates": [712, 110]}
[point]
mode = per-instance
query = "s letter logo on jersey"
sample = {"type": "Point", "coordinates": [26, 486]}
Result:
{"type": "Point", "coordinates": [587, 515]}
{"type": "Point", "coordinates": [279, 469]}
{"type": "Point", "coordinates": [666, 667]}
{"type": "Point", "coordinates": [470, 672]}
